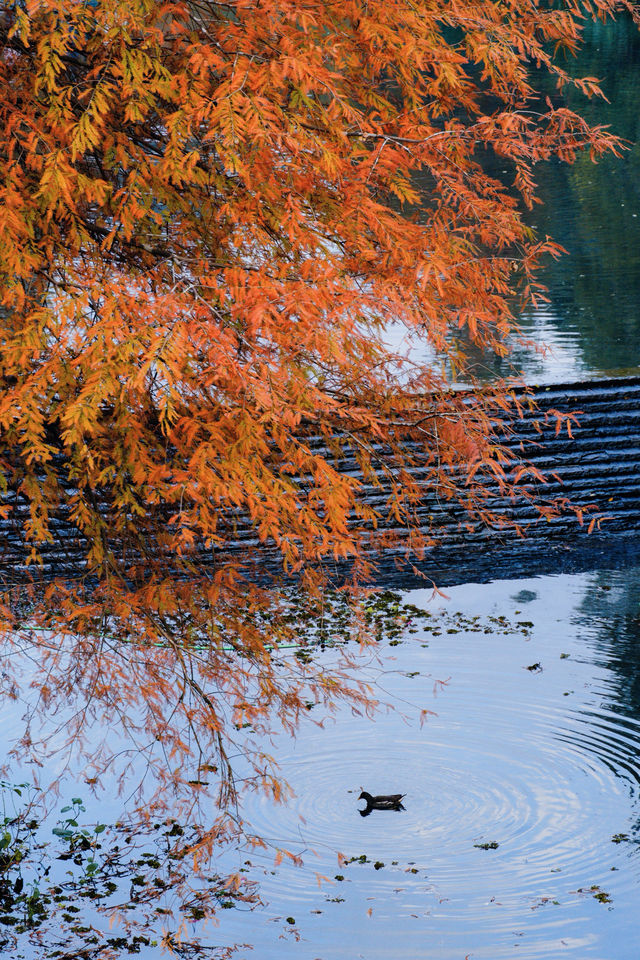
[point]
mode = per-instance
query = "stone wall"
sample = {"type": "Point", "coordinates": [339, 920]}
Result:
{"type": "Point", "coordinates": [599, 464]}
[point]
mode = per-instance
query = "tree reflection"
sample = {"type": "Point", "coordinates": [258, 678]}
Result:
{"type": "Point", "coordinates": [178, 713]}
{"type": "Point", "coordinates": [610, 609]}
{"type": "Point", "coordinates": [80, 891]}
{"type": "Point", "coordinates": [593, 210]}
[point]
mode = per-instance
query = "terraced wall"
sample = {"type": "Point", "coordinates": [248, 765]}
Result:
{"type": "Point", "coordinates": [600, 463]}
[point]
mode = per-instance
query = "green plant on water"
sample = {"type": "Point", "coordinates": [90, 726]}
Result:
{"type": "Point", "coordinates": [597, 893]}
{"type": "Point", "coordinates": [361, 859]}
{"type": "Point", "coordinates": [620, 837]}
{"type": "Point", "coordinates": [80, 840]}
{"type": "Point", "coordinates": [21, 903]}
{"type": "Point", "coordinates": [41, 903]}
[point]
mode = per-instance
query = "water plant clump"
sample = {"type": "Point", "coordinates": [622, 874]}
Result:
{"type": "Point", "coordinates": [77, 889]}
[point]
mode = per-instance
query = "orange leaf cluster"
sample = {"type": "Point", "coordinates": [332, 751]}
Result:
{"type": "Point", "coordinates": [211, 216]}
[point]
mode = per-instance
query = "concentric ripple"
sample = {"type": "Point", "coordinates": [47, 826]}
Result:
{"type": "Point", "coordinates": [522, 807]}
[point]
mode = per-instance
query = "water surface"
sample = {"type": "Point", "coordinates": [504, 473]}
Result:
{"type": "Point", "coordinates": [590, 326]}
{"type": "Point", "coordinates": [534, 752]}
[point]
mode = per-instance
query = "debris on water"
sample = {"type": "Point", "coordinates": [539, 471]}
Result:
{"type": "Point", "coordinates": [596, 892]}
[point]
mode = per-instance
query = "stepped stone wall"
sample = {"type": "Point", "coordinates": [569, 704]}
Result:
{"type": "Point", "coordinates": [599, 464]}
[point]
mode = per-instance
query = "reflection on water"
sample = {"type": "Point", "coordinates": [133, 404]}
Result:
{"type": "Point", "coordinates": [594, 212]}
{"type": "Point", "coordinates": [591, 324]}
{"type": "Point", "coordinates": [612, 606]}
{"type": "Point", "coordinates": [520, 832]}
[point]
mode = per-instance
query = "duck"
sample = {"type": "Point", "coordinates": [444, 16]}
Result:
{"type": "Point", "coordinates": [389, 801]}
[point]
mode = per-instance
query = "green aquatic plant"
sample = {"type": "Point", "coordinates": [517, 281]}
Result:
{"type": "Point", "coordinates": [89, 890]}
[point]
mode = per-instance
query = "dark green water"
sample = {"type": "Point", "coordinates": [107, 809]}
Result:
{"type": "Point", "coordinates": [591, 324]}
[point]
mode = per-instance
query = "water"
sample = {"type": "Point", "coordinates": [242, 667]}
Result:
{"type": "Point", "coordinates": [543, 762]}
{"type": "Point", "coordinates": [591, 324]}
{"type": "Point", "coordinates": [521, 830]}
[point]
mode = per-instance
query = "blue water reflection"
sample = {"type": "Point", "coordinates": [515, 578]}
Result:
{"type": "Point", "coordinates": [535, 748]}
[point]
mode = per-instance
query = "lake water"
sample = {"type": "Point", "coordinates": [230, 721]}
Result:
{"type": "Point", "coordinates": [591, 325]}
{"type": "Point", "coordinates": [520, 835]}
{"type": "Point", "coordinates": [535, 749]}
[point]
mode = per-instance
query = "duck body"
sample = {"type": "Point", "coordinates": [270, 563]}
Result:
{"type": "Point", "coordinates": [389, 801]}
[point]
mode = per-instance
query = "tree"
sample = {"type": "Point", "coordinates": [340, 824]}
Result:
{"type": "Point", "coordinates": [212, 214]}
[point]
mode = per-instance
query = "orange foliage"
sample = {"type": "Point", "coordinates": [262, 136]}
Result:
{"type": "Point", "coordinates": [210, 215]}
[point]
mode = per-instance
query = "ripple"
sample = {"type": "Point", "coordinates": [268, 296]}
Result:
{"type": "Point", "coordinates": [515, 759]}
{"type": "Point", "coordinates": [536, 788]}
